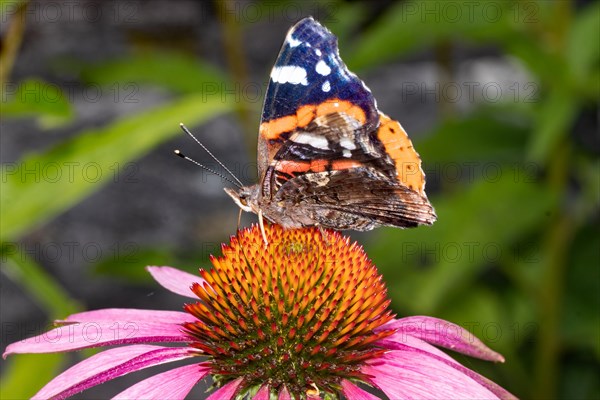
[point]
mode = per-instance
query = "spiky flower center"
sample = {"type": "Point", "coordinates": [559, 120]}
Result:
{"type": "Point", "coordinates": [299, 314]}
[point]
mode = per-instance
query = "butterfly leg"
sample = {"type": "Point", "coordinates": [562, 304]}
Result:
{"type": "Point", "coordinates": [239, 219]}
{"type": "Point", "coordinates": [324, 235]}
{"type": "Point", "coordinates": [262, 227]}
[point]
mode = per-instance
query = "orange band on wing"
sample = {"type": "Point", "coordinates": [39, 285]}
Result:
{"type": "Point", "coordinates": [344, 164]}
{"type": "Point", "coordinates": [274, 128]}
{"type": "Point", "coordinates": [305, 114]}
{"type": "Point", "coordinates": [337, 105]}
{"type": "Point", "coordinates": [319, 165]}
{"type": "Point", "coordinates": [399, 147]}
{"type": "Point", "coordinates": [290, 167]}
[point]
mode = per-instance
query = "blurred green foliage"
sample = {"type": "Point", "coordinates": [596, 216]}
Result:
{"type": "Point", "coordinates": [513, 257]}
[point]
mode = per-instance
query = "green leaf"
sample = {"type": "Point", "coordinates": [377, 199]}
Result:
{"type": "Point", "coordinates": [175, 71]}
{"type": "Point", "coordinates": [578, 379]}
{"type": "Point", "coordinates": [478, 311]}
{"type": "Point", "coordinates": [581, 320]}
{"type": "Point", "coordinates": [40, 186]}
{"type": "Point", "coordinates": [413, 25]}
{"type": "Point", "coordinates": [40, 285]}
{"type": "Point", "coordinates": [481, 137]}
{"type": "Point", "coordinates": [554, 118]}
{"type": "Point", "coordinates": [550, 68]}
{"type": "Point", "coordinates": [28, 373]}
{"type": "Point", "coordinates": [37, 98]}
{"type": "Point", "coordinates": [583, 47]}
{"type": "Point", "coordinates": [588, 176]}
{"type": "Point", "coordinates": [518, 27]}
{"type": "Point", "coordinates": [476, 227]}
{"type": "Point", "coordinates": [128, 264]}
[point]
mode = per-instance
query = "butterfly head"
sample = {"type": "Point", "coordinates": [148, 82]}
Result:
{"type": "Point", "coordinates": [245, 197]}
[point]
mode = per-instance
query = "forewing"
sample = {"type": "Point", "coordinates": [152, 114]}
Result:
{"type": "Point", "coordinates": [308, 80]}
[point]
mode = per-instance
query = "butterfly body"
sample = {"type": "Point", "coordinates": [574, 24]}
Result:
{"type": "Point", "coordinates": [326, 155]}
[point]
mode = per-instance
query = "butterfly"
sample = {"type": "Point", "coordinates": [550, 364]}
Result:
{"type": "Point", "coordinates": [327, 156]}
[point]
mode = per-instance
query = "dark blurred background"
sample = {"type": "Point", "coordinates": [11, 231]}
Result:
{"type": "Point", "coordinates": [499, 97]}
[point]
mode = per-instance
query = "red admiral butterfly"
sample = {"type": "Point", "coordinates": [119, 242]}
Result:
{"type": "Point", "coordinates": [326, 155]}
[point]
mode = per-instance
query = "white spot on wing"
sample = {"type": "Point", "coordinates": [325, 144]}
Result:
{"type": "Point", "coordinates": [347, 143]}
{"type": "Point", "coordinates": [289, 74]}
{"type": "Point", "coordinates": [293, 42]}
{"type": "Point", "coordinates": [318, 52]}
{"type": "Point", "coordinates": [322, 68]}
{"type": "Point", "coordinates": [347, 153]}
{"type": "Point", "coordinates": [318, 142]}
{"type": "Point", "coordinates": [326, 86]}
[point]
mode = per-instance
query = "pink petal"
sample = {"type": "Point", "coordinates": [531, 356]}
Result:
{"type": "Point", "coordinates": [108, 365]}
{"type": "Point", "coordinates": [175, 280]}
{"type": "Point", "coordinates": [483, 381]}
{"type": "Point", "coordinates": [284, 394]}
{"type": "Point", "coordinates": [493, 387]}
{"type": "Point", "coordinates": [417, 345]}
{"type": "Point", "coordinates": [132, 315]}
{"type": "Point", "coordinates": [226, 392]}
{"type": "Point", "coordinates": [86, 334]}
{"type": "Point", "coordinates": [263, 393]}
{"type": "Point", "coordinates": [174, 384]}
{"type": "Point", "coordinates": [351, 391]}
{"type": "Point", "coordinates": [402, 341]}
{"type": "Point", "coordinates": [445, 334]}
{"type": "Point", "coordinates": [415, 375]}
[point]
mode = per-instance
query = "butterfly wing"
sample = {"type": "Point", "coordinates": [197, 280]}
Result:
{"type": "Point", "coordinates": [326, 149]}
{"type": "Point", "coordinates": [309, 79]}
{"type": "Point", "coordinates": [358, 199]}
{"type": "Point", "coordinates": [345, 177]}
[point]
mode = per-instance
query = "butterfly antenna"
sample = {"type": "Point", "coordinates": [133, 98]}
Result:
{"type": "Point", "coordinates": [186, 130]}
{"type": "Point", "coordinates": [180, 154]}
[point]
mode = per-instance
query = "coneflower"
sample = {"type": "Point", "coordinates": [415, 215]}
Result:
{"type": "Point", "coordinates": [306, 317]}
